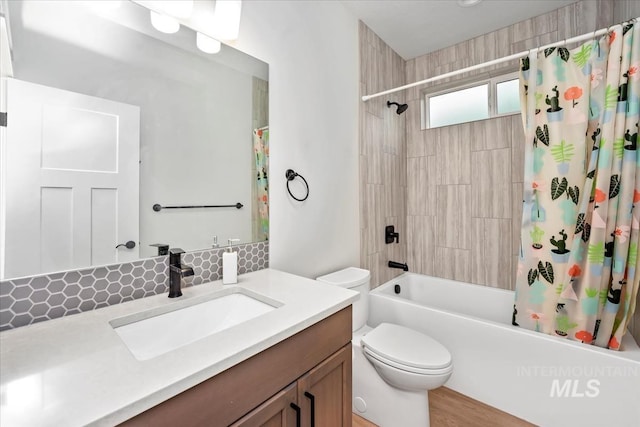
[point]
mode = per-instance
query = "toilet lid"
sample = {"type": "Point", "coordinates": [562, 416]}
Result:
{"type": "Point", "coordinates": [406, 347]}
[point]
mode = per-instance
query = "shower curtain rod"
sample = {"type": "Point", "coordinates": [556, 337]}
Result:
{"type": "Point", "coordinates": [522, 54]}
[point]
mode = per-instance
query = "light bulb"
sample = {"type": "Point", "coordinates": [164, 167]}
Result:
{"type": "Point", "coordinates": [207, 44]}
{"type": "Point", "coordinates": [164, 23]}
{"type": "Point", "coordinates": [226, 19]}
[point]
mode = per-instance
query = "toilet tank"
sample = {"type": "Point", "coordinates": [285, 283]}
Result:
{"type": "Point", "coordinates": [357, 280]}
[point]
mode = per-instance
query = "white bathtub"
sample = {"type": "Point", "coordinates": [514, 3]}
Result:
{"type": "Point", "coordinates": [543, 379]}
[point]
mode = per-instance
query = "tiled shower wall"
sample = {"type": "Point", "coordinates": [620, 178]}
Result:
{"type": "Point", "coordinates": [382, 158]}
{"type": "Point", "coordinates": [465, 181]}
{"type": "Point", "coordinates": [39, 298]}
{"type": "Point", "coordinates": [464, 199]}
{"type": "Point", "coordinates": [453, 193]}
{"type": "Point", "coordinates": [625, 9]}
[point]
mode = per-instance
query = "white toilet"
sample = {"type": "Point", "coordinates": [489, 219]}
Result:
{"type": "Point", "coordinates": [393, 366]}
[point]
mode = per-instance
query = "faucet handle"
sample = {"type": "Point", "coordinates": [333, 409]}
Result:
{"type": "Point", "coordinates": [163, 249]}
{"type": "Point", "coordinates": [390, 234]}
{"type": "Point", "coordinates": [175, 256]}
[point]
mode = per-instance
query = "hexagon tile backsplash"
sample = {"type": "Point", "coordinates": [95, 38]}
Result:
{"type": "Point", "coordinates": [38, 298]}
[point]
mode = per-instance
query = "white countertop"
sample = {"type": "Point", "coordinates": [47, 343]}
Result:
{"type": "Point", "coordinates": [75, 370]}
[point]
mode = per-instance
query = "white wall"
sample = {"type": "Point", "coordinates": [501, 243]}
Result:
{"type": "Point", "coordinates": [312, 51]}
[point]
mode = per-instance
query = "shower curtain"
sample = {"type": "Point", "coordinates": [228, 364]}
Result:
{"type": "Point", "coordinates": [577, 274]}
{"type": "Point", "coordinates": [261, 155]}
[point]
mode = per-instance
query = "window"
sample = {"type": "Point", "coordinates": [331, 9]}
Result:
{"type": "Point", "coordinates": [508, 97]}
{"type": "Point", "coordinates": [480, 100]}
{"type": "Point", "coordinates": [464, 105]}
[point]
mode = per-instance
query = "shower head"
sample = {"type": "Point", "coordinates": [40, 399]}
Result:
{"type": "Point", "coordinates": [401, 107]}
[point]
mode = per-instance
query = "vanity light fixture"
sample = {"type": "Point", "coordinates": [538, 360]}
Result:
{"type": "Point", "coordinates": [180, 9]}
{"type": "Point", "coordinates": [226, 19]}
{"type": "Point", "coordinates": [177, 8]}
{"type": "Point", "coordinates": [164, 23]}
{"type": "Point", "coordinates": [105, 6]}
{"type": "Point", "coordinates": [207, 44]}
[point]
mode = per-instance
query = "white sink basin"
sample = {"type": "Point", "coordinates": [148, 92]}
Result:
{"type": "Point", "coordinates": [152, 333]}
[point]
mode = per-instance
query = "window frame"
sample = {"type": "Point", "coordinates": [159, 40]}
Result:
{"type": "Point", "coordinates": [492, 97]}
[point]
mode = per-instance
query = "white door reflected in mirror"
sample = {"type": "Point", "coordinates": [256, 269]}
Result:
{"type": "Point", "coordinates": [71, 180]}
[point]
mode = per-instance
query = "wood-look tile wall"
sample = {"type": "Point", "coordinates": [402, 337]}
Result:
{"type": "Point", "coordinates": [383, 158]}
{"type": "Point", "coordinates": [463, 183]}
{"type": "Point", "coordinates": [624, 10]}
{"type": "Point", "coordinates": [464, 194]}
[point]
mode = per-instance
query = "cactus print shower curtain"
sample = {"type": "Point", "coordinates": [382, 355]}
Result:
{"type": "Point", "coordinates": [577, 274]}
{"type": "Point", "coordinates": [261, 206]}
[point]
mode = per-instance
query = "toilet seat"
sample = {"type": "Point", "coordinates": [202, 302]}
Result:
{"type": "Point", "coordinates": [405, 368]}
{"type": "Point", "coordinates": [406, 349]}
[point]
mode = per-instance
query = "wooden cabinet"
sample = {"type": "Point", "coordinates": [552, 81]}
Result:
{"type": "Point", "coordinates": [279, 411]}
{"type": "Point", "coordinates": [325, 392]}
{"type": "Point", "coordinates": [320, 398]}
{"type": "Point", "coordinates": [311, 369]}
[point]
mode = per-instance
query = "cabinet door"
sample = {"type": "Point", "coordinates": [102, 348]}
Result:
{"type": "Point", "coordinates": [275, 412]}
{"type": "Point", "coordinates": [324, 393]}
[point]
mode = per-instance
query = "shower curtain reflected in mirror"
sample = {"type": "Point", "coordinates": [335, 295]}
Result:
{"type": "Point", "coordinates": [261, 184]}
{"type": "Point", "coordinates": [577, 274]}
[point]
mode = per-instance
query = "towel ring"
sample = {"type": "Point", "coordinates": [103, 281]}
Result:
{"type": "Point", "coordinates": [290, 174]}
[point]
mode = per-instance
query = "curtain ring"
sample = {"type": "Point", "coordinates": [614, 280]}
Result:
{"type": "Point", "coordinates": [290, 174]}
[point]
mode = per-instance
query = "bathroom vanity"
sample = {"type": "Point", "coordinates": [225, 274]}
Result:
{"type": "Point", "coordinates": [77, 370]}
{"type": "Point", "coordinates": [310, 369]}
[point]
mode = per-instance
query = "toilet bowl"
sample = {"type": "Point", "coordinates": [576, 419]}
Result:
{"type": "Point", "coordinates": [407, 359]}
{"type": "Point", "coordinates": [393, 366]}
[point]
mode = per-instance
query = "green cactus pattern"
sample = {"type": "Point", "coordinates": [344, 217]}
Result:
{"type": "Point", "coordinates": [561, 245]}
{"type": "Point", "coordinates": [536, 236]}
{"type": "Point", "coordinates": [554, 101]}
{"type": "Point", "coordinates": [579, 237]}
{"type": "Point", "coordinates": [581, 179]}
{"type": "Point", "coordinates": [563, 325]}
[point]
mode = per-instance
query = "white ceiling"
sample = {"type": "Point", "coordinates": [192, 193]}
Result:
{"type": "Point", "coordinates": [415, 27]}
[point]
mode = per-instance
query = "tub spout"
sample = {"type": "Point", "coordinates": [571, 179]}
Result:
{"type": "Point", "coordinates": [393, 264]}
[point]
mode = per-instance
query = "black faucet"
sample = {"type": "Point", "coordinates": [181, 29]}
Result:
{"type": "Point", "coordinates": [393, 264]}
{"type": "Point", "coordinates": [176, 272]}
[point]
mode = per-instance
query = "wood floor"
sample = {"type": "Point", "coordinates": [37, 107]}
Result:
{"type": "Point", "coordinates": [448, 408]}
{"type": "Point", "coordinates": [361, 422]}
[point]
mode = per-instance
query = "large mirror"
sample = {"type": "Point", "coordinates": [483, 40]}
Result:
{"type": "Point", "coordinates": [108, 117]}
